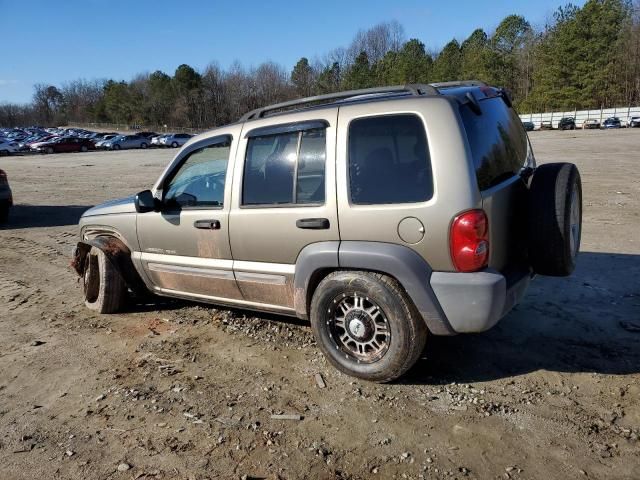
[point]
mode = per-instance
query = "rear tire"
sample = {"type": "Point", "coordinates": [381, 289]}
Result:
{"type": "Point", "coordinates": [366, 325]}
{"type": "Point", "coordinates": [116, 147]}
{"type": "Point", "coordinates": [143, 145]}
{"type": "Point", "coordinates": [83, 148]}
{"type": "Point", "coordinates": [104, 288]}
{"type": "Point", "coordinates": [174, 144]}
{"type": "Point", "coordinates": [49, 149]}
{"type": "Point", "coordinates": [555, 219]}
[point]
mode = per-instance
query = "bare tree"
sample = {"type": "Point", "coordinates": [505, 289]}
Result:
{"type": "Point", "coordinates": [377, 41]}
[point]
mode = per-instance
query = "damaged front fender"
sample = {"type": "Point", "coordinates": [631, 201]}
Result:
{"type": "Point", "coordinates": [117, 253]}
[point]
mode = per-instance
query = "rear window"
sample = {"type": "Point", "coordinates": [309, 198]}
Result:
{"type": "Point", "coordinates": [497, 139]}
{"type": "Point", "coordinates": [389, 160]}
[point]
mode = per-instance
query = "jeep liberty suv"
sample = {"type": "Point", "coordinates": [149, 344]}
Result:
{"type": "Point", "coordinates": [381, 215]}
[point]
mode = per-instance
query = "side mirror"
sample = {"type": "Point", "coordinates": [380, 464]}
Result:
{"type": "Point", "coordinates": [145, 202]}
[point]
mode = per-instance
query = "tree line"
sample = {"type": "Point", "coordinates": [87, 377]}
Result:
{"type": "Point", "coordinates": [583, 57]}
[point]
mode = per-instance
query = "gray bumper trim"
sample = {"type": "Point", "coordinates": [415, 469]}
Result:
{"type": "Point", "coordinates": [475, 302]}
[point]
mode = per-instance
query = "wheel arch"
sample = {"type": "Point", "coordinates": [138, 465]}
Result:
{"type": "Point", "coordinates": [401, 263]}
{"type": "Point", "coordinates": [116, 252]}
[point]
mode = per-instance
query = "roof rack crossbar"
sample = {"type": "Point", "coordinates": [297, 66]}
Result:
{"type": "Point", "coordinates": [461, 83]}
{"type": "Point", "coordinates": [413, 89]}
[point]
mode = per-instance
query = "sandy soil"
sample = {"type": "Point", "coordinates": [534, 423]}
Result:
{"type": "Point", "coordinates": [180, 390]}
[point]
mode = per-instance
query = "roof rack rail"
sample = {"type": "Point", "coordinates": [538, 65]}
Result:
{"type": "Point", "coordinates": [462, 83]}
{"type": "Point", "coordinates": [413, 89]}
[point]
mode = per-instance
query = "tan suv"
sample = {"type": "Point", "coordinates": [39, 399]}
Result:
{"type": "Point", "coordinates": [381, 215]}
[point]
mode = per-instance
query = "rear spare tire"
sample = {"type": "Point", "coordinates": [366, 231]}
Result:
{"type": "Point", "coordinates": [104, 288]}
{"type": "Point", "coordinates": [555, 219]}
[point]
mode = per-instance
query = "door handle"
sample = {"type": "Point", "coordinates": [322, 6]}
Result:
{"type": "Point", "coordinates": [207, 224]}
{"type": "Point", "coordinates": [313, 223]}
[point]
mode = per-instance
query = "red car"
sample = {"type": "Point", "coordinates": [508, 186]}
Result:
{"type": "Point", "coordinates": [66, 144]}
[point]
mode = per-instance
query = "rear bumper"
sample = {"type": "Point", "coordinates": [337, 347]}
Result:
{"type": "Point", "coordinates": [475, 302]}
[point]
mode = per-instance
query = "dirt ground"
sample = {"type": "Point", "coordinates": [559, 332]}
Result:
{"type": "Point", "coordinates": [186, 391]}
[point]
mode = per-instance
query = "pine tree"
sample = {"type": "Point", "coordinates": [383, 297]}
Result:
{"type": "Point", "coordinates": [447, 65]}
{"type": "Point", "coordinates": [359, 75]}
{"type": "Point", "coordinates": [302, 78]}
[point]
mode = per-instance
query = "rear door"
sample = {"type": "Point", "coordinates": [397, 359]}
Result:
{"type": "Point", "coordinates": [283, 200]}
{"type": "Point", "coordinates": [500, 149]}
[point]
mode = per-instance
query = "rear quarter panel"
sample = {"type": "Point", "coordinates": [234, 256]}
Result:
{"type": "Point", "coordinates": [455, 186]}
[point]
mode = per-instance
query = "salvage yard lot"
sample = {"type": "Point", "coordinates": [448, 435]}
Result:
{"type": "Point", "coordinates": [180, 390]}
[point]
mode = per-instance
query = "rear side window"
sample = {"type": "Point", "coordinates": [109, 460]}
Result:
{"type": "Point", "coordinates": [286, 168]}
{"type": "Point", "coordinates": [497, 139]}
{"type": "Point", "coordinates": [389, 160]}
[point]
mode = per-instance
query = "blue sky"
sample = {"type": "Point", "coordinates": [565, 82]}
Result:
{"type": "Point", "coordinates": [53, 42]}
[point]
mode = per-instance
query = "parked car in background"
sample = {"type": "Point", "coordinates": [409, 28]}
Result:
{"type": "Point", "coordinates": [633, 122]}
{"type": "Point", "coordinates": [122, 142]}
{"type": "Point", "coordinates": [156, 141]}
{"type": "Point", "coordinates": [65, 145]}
{"type": "Point", "coordinates": [546, 126]}
{"type": "Point", "coordinates": [8, 147]}
{"type": "Point", "coordinates": [529, 126]}
{"type": "Point", "coordinates": [591, 124]}
{"type": "Point", "coordinates": [175, 140]}
{"type": "Point", "coordinates": [35, 145]}
{"type": "Point", "coordinates": [26, 144]}
{"type": "Point", "coordinates": [101, 143]}
{"type": "Point", "coordinates": [567, 123]}
{"type": "Point", "coordinates": [147, 135]}
{"type": "Point", "coordinates": [104, 135]}
{"type": "Point", "coordinates": [6, 197]}
{"type": "Point", "coordinates": [612, 122]}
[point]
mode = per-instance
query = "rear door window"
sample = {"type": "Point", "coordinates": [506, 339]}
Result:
{"type": "Point", "coordinates": [389, 160]}
{"type": "Point", "coordinates": [497, 139]}
{"type": "Point", "coordinates": [285, 169]}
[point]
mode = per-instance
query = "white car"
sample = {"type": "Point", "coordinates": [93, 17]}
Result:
{"type": "Point", "coordinates": [101, 143]}
{"type": "Point", "coordinates": [175, 140]}
{"type": "Point", "coordinates": [633, 122]}
{"type": "Point", "coordinates": [8, 147]}
{"type": "Point", "coordinates": [156, 141]}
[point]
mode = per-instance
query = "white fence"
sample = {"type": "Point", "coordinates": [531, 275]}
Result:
{"type": "Point", "coordinates": [623, 113]}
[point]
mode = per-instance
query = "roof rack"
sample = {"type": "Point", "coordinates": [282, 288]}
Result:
{"type": "Point", "coordinates": [412, 89]}
{"type": "Point", "coordinates": [462, 83]}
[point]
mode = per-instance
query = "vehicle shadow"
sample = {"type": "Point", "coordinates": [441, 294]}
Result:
{"type": "Point", "coordinates": [583, 323]}
{"type": "Point", "coordinates": [589, 322]}
{"type": "Point", "coordinates": [33, 216]}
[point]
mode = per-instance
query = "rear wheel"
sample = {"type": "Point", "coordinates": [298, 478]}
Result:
{"type": "Point", "coordinates": [174, 144]}
{"type": "Point", "coordinates": [104, 288]}
{"type": "Point", "coordinates": [143, 145]}
{"type": "Point", "coordinates": [555, 219]}
{"type": "Point", "coordinates": [49, 150]}
{"type": "Point", "coordinates": [83, 148]}
{"type": "Point", "coordinates": [366, 325]}
{"type": "Point", "coordinates": [116, 147]}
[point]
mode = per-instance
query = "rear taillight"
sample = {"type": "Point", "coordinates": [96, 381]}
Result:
{"type": "Point", "coordinates": [469, 241]}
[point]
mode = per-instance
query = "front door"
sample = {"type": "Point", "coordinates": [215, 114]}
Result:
{"type": "Point", "coordinates": [185, 247]}
{"type": "Point", "coordinates": [284, 200]}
